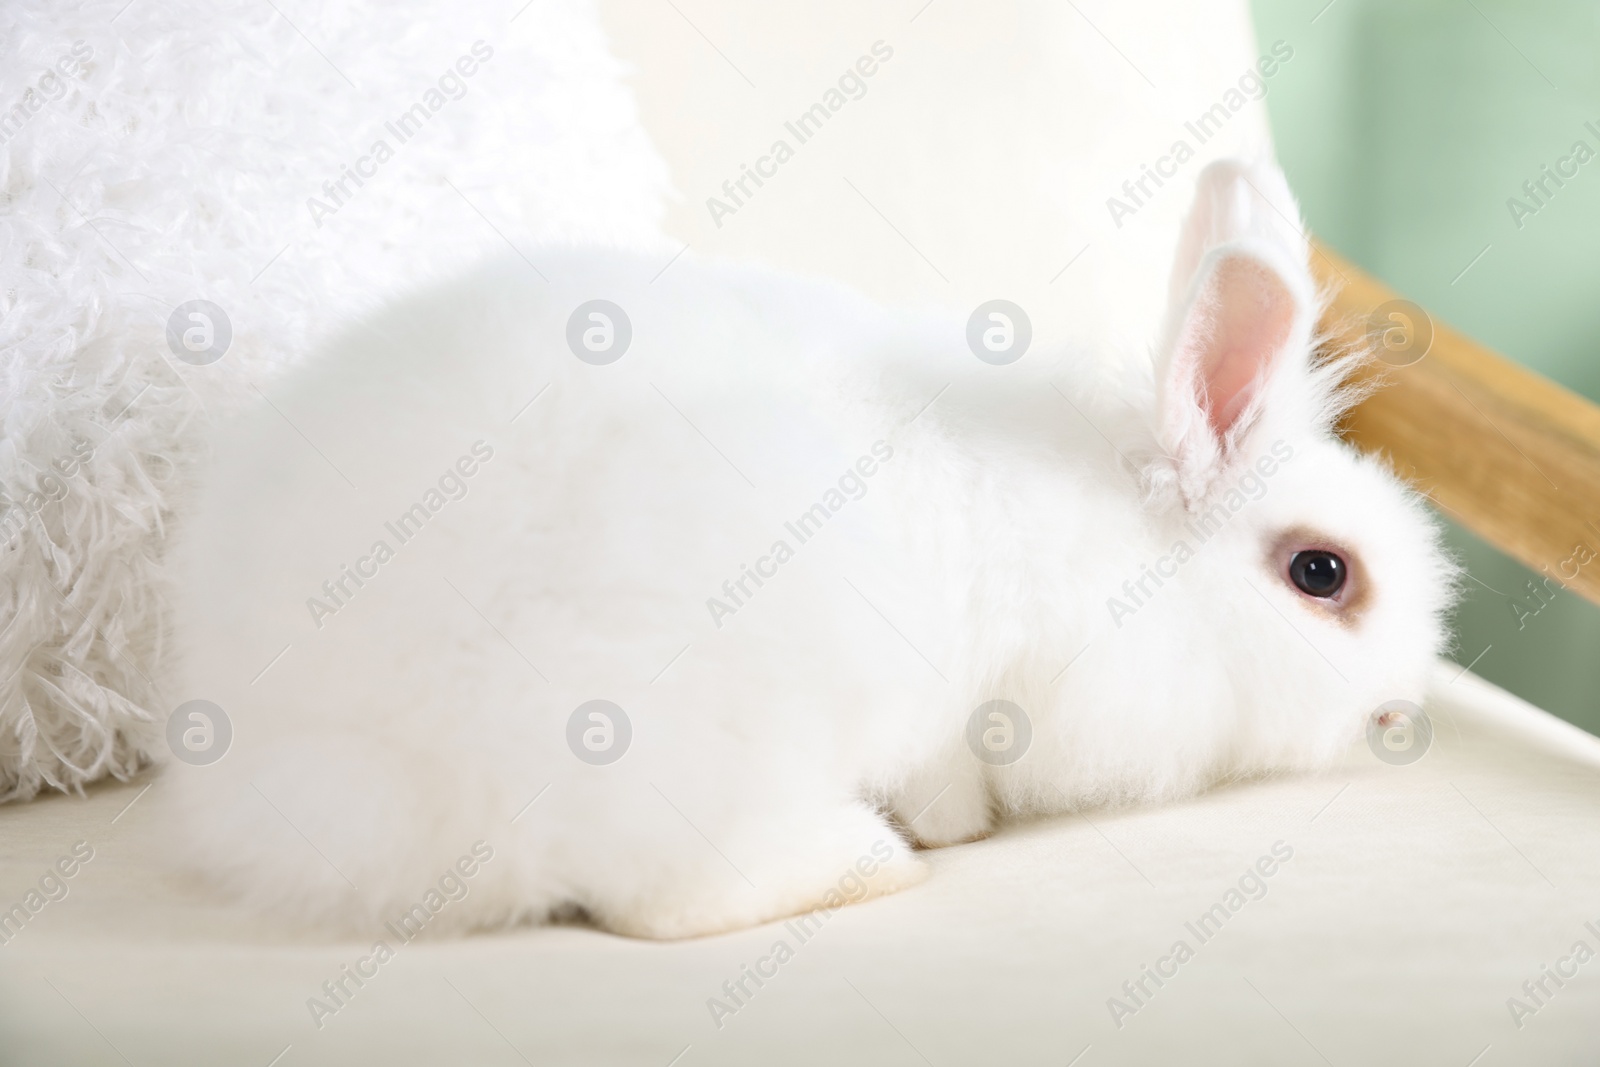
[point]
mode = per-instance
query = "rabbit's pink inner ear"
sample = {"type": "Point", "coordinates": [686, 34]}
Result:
{"type": "Point", "coordinates": [1238, 324]}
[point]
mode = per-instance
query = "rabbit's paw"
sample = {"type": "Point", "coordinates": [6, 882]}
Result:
{"type": "Point", "coordinates": [822, 865]}
{"type": "Point", "coordinates": [946, 804]}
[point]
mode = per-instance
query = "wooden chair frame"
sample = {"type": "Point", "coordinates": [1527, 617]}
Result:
{"type": "Point", "coordinates": [1513, 457]}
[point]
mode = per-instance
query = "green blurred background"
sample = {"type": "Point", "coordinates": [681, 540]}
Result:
{"type": "Point", "coordinates": [1405, 126]}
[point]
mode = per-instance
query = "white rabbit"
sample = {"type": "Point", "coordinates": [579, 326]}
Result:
{"type": "Point", "coordinates": [802, 543]}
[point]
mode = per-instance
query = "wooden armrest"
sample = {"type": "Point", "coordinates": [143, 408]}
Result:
{"type": "Point", "coordinates": [1513, 457]}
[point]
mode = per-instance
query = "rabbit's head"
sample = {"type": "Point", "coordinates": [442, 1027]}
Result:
{"type": "Point", "coordinates": [1326, 578]}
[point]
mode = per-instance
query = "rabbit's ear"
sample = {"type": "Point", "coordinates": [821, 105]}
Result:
{"type": "Point", "coordinates": [1243, 308]}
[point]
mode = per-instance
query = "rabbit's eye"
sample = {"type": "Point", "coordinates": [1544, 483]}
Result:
{"type": "Point", "coordinates": [1318, 573]}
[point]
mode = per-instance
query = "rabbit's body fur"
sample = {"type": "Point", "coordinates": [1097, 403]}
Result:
{"type": "Point", "coordinates": [985, 534]}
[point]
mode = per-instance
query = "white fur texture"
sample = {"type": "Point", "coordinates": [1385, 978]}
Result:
{"type": "Point", "coordinates": [171, 157]}
{"type": "Point", "coordinates": [816, 723]}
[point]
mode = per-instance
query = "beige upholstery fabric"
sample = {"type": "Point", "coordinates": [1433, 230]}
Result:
{"type": "Point", "coordinates": [979, 159]}
{"type": "Point", "coordinates": [1417, 899]}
